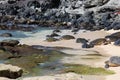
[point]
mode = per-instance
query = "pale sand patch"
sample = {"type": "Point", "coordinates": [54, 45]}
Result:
{"type": "Point", "coordinates": [112, 31]}
{"type": "Point", "coordinates": [3, 78]}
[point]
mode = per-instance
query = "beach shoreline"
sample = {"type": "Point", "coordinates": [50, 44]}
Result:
{"type": "Point", "coordinates": [106, 50]}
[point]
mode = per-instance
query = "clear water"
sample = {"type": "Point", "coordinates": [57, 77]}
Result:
{"type": "Point", "coordinates": [19, 35]}
{"type": "Point", "coordinates": [35, 35]}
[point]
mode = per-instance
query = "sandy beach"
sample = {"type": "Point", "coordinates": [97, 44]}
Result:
{"type": "Point", "coordinates": [106, 50]}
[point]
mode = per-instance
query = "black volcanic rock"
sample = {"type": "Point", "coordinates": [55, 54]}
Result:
{"type": "Point", "coordinates": [9, 42]}
{"type": "Point", "coordinates": [113, 37]}
{"type": "Point", "coordinates": [85, 45]}
{"type": "Point", "coordinates": [10, 71]}
{"type": "Point", "coordinates": [117, 43]}
{"type": "Point", "coordinates": [81, 40]}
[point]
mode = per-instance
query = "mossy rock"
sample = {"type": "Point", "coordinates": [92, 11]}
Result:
{"type": "Point", "coordinates": [31, 61]}
{"type": "Point", "coordinates": [28, 57]}
{"type": "Point", "coordinates": [28, 62]}
{"type": "Point", "coordinates": [5, 55]}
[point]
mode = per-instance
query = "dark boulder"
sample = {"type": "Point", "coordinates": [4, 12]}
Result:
{"type": "Point", "coordinates": [85, 45]}
{"type": "Point", "coordinates": [12, 1]}
{"type": "Point", "coordinates": [56, 31]}
{"type": "Point", "coordinates": [10, 71]}
{"type": "Point", "coordinates": [6, 35]}
{"type": "Point", "coordinates": [86, 21]}
{"type": "Point", "coordinates": [67, 37]}
{"type": "Point", "coordinates": [81, 40]}
{"type": "Point", "coordinates": [100, 41]}
{"type": "Point", "coordinates": [117, 43]}
{"type": "Point", "coordinates": [94, 3]}
{"type": "Point", "coordinates": [86, 25]}
{"type": "Point", "coordinates": [9, 43]}
{"type": "Point", "coordinates": [107, 9]}
{"type": "Point", "coordinates": [75, 30]}
{"type": "Point", "coordinates": [115, 25]}
{"type": "Point", "coordinates": [113, 37]}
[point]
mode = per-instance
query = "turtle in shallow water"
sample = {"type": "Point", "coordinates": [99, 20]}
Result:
{"type": "Point", "coordinates": [114, 61]}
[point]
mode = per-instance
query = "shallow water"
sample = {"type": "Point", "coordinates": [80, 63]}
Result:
{"type": "Point", "coordinates": [39, 33]}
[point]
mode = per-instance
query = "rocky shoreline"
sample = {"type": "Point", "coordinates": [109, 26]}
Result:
{"type": "Point", "coordinates": [28, 57]}
{"type": "Point", "coordinates": [96, 15]}
{"type": "Point", "coordinates": [77, 15]}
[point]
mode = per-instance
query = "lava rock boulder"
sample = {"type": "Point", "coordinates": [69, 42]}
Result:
{"type": "Point", "coordinates": [10, 71]}
{"type": "Point", "coordinates": [9, 42]}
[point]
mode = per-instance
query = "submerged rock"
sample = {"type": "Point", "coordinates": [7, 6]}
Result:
{"type": "Point", "coordinates": [10, 71]}
{"type": "Point", "coordinates": [6, 35]}
{"type": "Point", "coordinates": [28, 57]}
